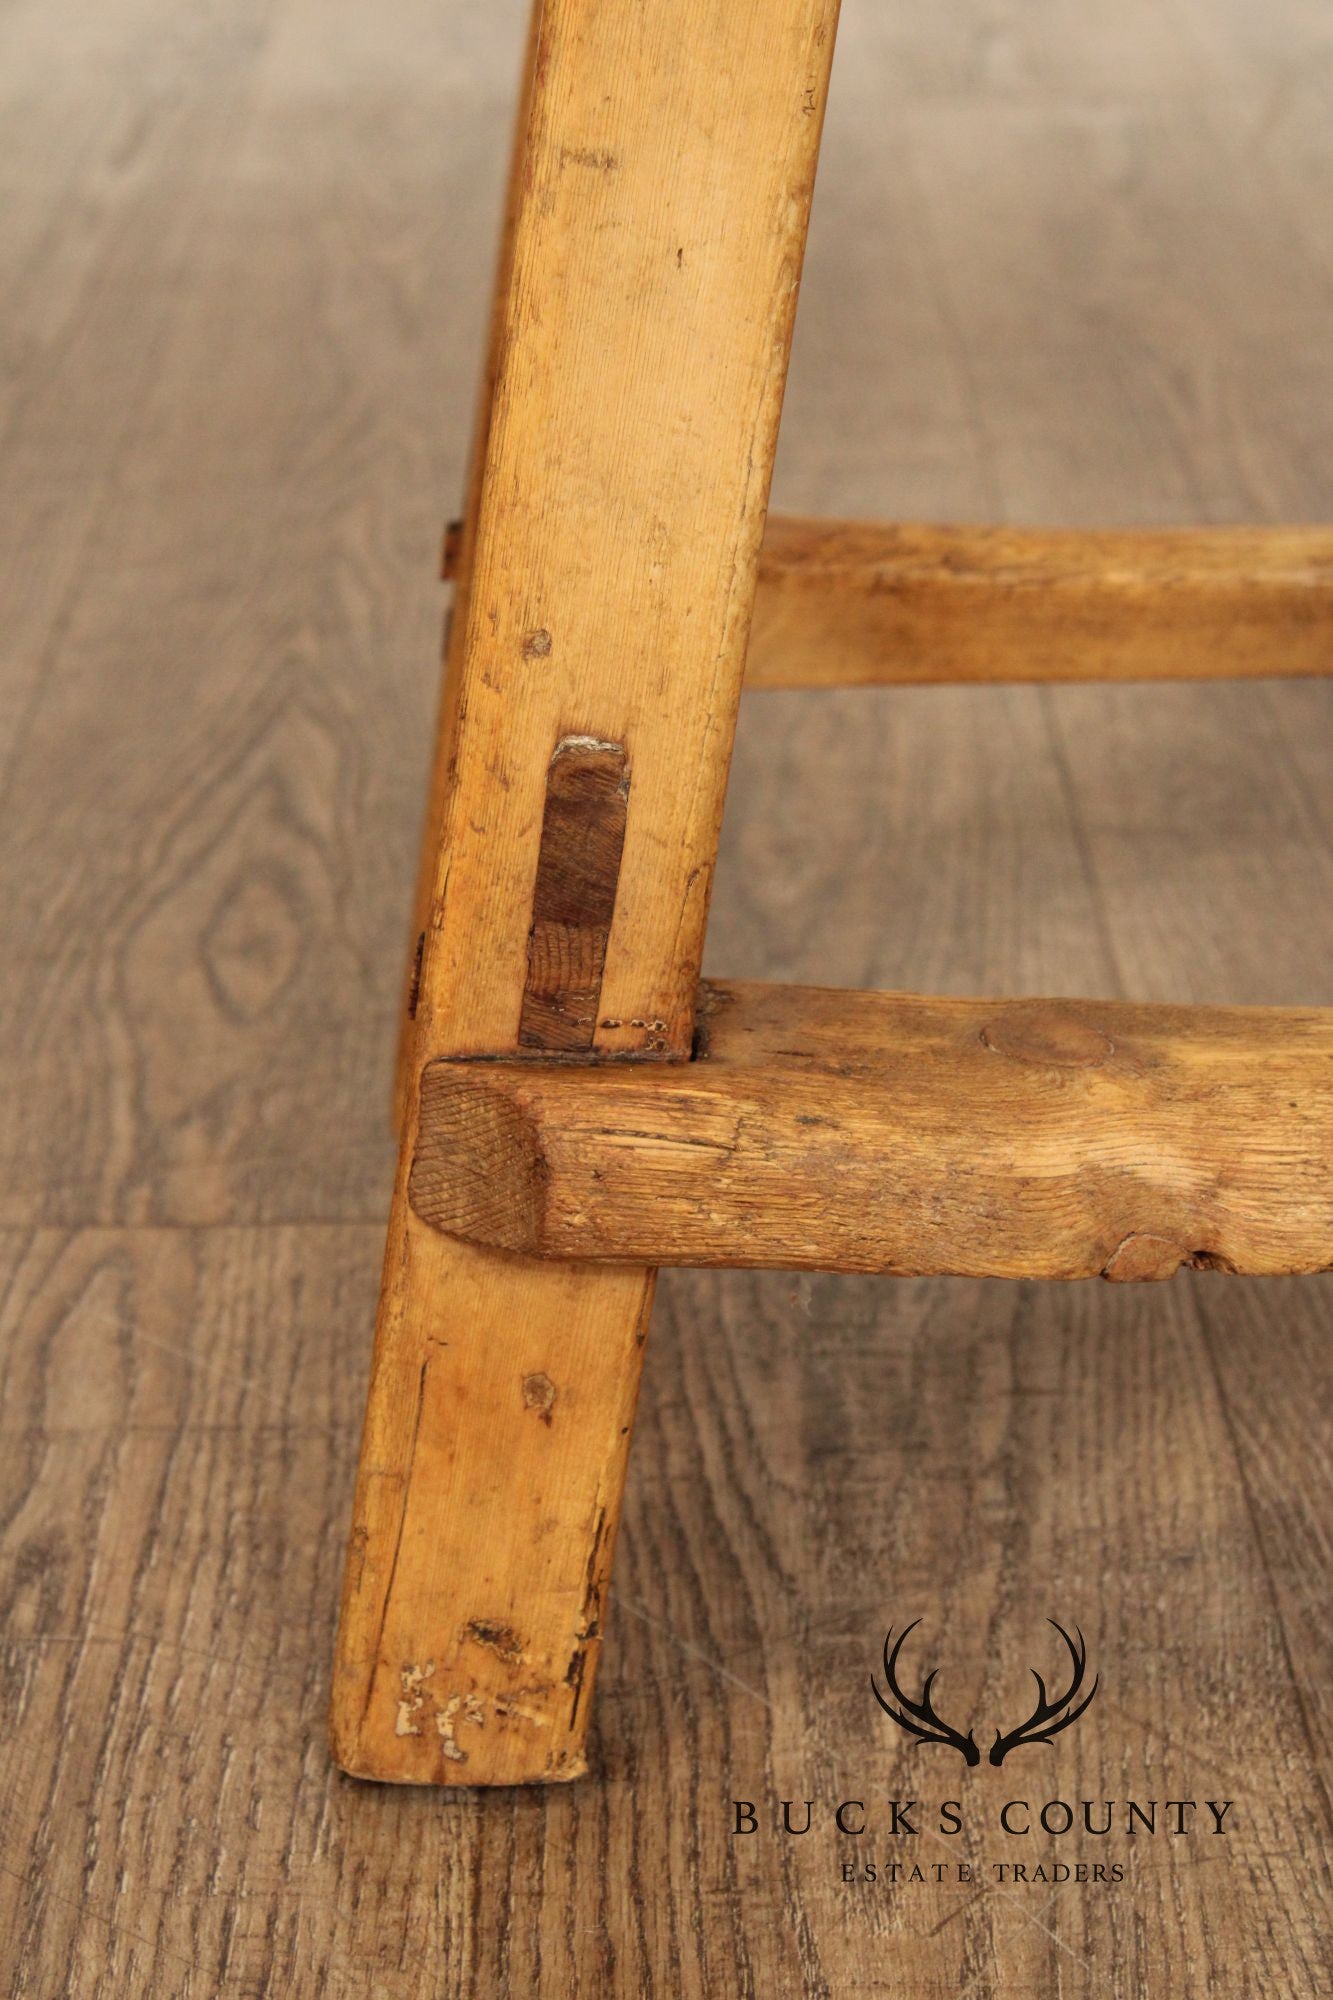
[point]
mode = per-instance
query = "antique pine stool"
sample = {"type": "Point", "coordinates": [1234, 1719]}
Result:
{"type": "Point", "coordinates": [576, 1108]}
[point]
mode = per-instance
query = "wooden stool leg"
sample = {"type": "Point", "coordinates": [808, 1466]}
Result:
{"type": "Point", "coordinates": [456, 564]}
{"type": "Point", "coordinates": [660, 214]}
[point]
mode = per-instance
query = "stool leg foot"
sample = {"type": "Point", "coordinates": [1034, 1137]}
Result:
{"type": "Point", "coordinates": [497, 1434]}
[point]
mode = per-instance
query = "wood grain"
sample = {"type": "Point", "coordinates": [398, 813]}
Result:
{"type": "Point", "coordinates": [1067, 265]}
{"type": "Point", "coordinates": [456, 558]}
{"type": "Point", "coordinates": [847, 603]}
{"type": "Point", "coordinates": [574, 898]}
{"type": "Point", "coordinates": [181, 1411]}
{"type": "Point", "coordinates": [883, 1132]}
{"type": "Point", "coordinates": [643, 354]}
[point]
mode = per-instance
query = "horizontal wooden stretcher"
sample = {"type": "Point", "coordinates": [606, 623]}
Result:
{"type": "Point", "coordinates": [857, 1131]}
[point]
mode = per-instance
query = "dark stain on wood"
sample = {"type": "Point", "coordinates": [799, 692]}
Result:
{"type": "Point", "coordinates": [414, 983]}
{"type": "Point", "coordinates": [590, 1622]}
{"type": "Point", "coordinates": [1050, 1034]}
{"type": "Point", "coordinates": [578, 867]}
{"type": "Point", "coordinates": [499, 1637]}
{"type": "Point", "coordinates": [539, 1396]}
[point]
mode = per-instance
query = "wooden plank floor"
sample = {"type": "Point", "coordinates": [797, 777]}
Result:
{"type": "Point", "coordinates": [1068, 264]}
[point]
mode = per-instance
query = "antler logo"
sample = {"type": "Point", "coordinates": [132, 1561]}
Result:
{"type": "Point", "coordinates": [1047, 1719]}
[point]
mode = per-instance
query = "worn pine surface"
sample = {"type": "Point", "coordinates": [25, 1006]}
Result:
{"type": "Point", "coordinates": [825, 1130]}
{"type": "Point", "coordinates": [856, 604]}
{"type": "Point", "coordinates": [1072, 265]}
{"type": "Point", "coordinates": [642, 343]}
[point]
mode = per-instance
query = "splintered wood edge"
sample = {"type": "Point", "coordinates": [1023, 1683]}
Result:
{"type": "Point", "coordinates": [908, 1136]}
